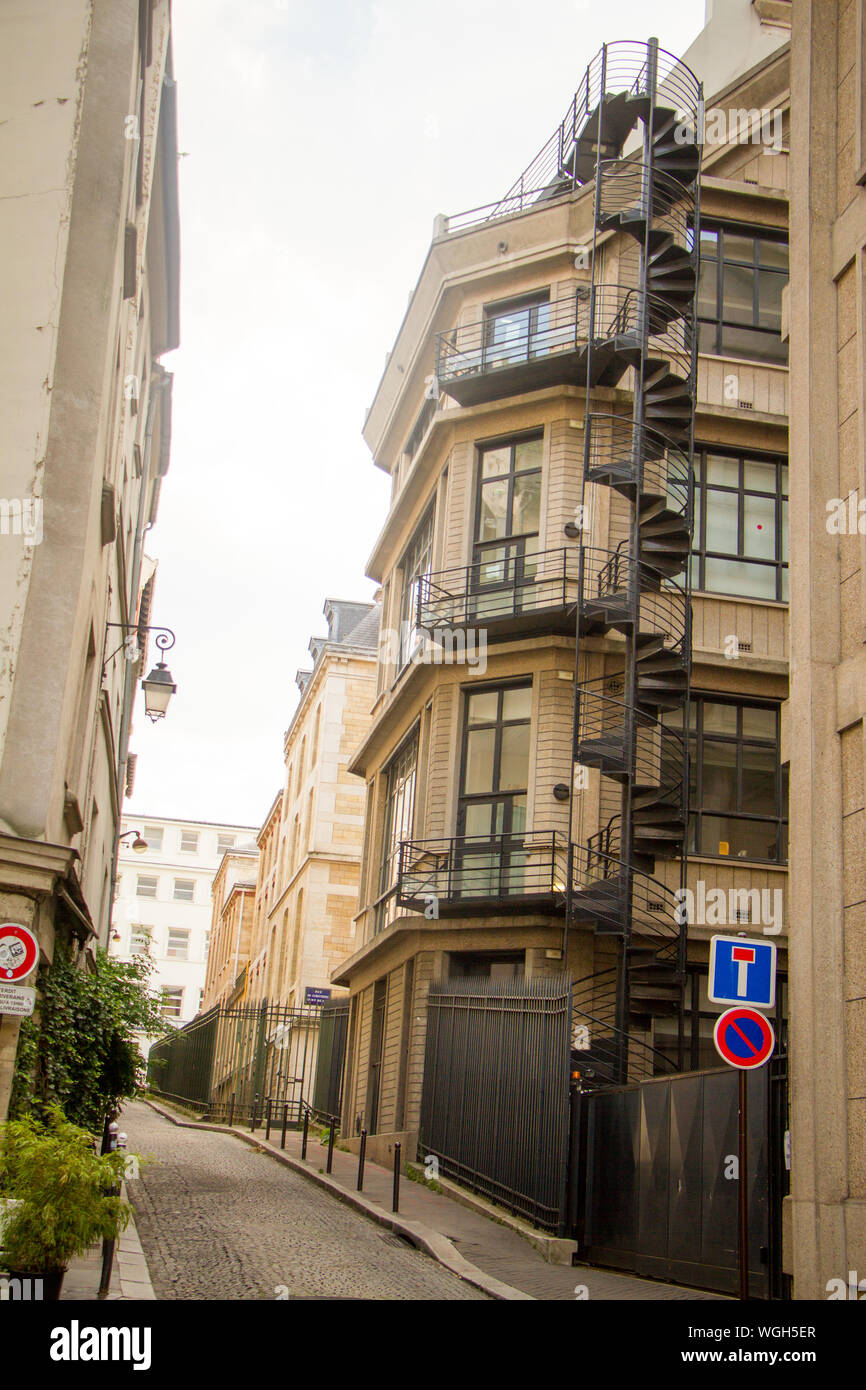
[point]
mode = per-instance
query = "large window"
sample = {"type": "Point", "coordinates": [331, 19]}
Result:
{"type": "Point", "coordinates": [171, 1001]}
{"type": "Point", "coordinates": [146, 885]}
{"type": "Point", "coordinates": [495, 762]}
{"type": "Point", "coordinates": [184, 890]}
{"type": "Point", "coordinates": [738, 794]}
{"type": "Point", "coordinates": [516, 330]}
{"type": "Point", "coordinates": [416, 562]}
{"type": "Point", "coordinates": [743, 273]}
{"type": "Point", "coordinates": [741, 525]}
{"type": "Point", "coordinates": [399, 822]}
{"type": "Point", "coordinates": [507, 516]}
{"type": "Point", "coordinates": [178, 943]}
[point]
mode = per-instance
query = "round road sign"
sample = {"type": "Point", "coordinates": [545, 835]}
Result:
{"type": "Point", "coordinates": [744, 1038]}
{"type": "Point", "coordinates": [19, 951]}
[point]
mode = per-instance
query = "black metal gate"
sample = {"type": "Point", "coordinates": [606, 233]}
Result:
{"type": "Point", "coordinates": [654, 1178]}
{"type": "Point", "coordinates": [494, 1106]}
{"type": "Point", "coordinates": [331, 1057]}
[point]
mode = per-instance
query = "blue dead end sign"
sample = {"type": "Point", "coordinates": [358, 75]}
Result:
{"type": "Point", "coordinates": [742, 971]}
{"type": "Point", "coordinates": [744, 1038]}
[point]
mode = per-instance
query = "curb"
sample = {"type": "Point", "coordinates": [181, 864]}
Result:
{"type": "Point", "coordinates": [133, 1275]}
{"type": "Point", "coordinates": [437, 1246]}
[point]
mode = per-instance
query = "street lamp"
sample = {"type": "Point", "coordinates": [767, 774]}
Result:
{"type": "Point", "coordinates": [158, 685]}
{"type": "Point", "coordinates": [139, 845]}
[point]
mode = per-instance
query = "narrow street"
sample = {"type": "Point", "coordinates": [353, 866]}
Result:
{"type": "Point", "coordinates": [218, 1220]}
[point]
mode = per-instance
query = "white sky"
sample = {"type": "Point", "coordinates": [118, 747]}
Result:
{"type": "Point", "coordinates": [322, 139]}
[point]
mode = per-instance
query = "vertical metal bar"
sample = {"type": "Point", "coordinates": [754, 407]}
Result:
{"type": "Point", "coordinates": [305, 1133]}
{"type": "Point", "coordinates": [362, 1154]}
{"type": "Point", "coordinates": [395, 1205]}
{"type": "Point", "coordinates": [254, 1116]}
{"type": "Point", "coordinates": [285, 1123]}
{"type": "Point", "coordinates": [743, 1185]}
{"type": "Point", "coordinates": [331, 1133]}
{"type": "Point", "coordinates": [268, 1119]}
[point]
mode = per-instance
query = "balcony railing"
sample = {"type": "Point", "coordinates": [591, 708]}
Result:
{"type": "Point", "coordinates": [508, 588]}
{"type": "Point", "coordinates": [510, 872]}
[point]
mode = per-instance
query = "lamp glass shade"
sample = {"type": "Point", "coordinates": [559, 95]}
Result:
{"type": "Point", "coordinates": [139, 845]}
{"type": "Point", "coordinates": [158, 689]}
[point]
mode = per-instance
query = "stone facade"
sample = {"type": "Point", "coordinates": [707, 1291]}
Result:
{"type": "Point", "coordinates": [90, 265]}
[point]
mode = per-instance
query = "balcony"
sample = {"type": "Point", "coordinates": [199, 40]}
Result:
{"type": "Point", "coordinates": [509, 591]}
{"type": "Point", "coordinates": [490, 359]}
{"type": "Point", "coordinates": [465, 875]}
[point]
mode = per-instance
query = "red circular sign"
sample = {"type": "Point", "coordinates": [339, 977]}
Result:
{"type": "Point", "coordinates": [19, 951]}
{"type": "Point", "coordinates": [744, 1037]}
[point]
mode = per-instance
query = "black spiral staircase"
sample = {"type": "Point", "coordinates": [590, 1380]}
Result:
{"type": "Point", "coordinates": [637, 139]}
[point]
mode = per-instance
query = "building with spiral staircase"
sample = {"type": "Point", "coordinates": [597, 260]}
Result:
{"type": "Point", "coordinates": [584, 570]}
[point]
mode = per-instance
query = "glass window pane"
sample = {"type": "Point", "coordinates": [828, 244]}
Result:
{"type": "Point", "coordinates": [483, 708]}
{"type": "Point", "coordinates": [739, 248]}
{"type": "Point", "coordinates": [514, 764]}
{"type": "Point", "coordinates": [750, 342]}
{"type": "Point", "coordinates": [518, 815]}
{"type": "Point", "coordinates": [517, 704]}
{"type": "Point", "coordinates": [720, 776]}
{"type": "Point", "coordinates": [785, 529]}
{"type": "Point", "coordinates": [527, 454]}
{"type": "Point", "coordinates": [760, 766]}
{"type": "Point", "coordinates": [709, 242]}
{"type": "Point", "coordinates": [737, 577]}
{"type": "Point", "coordinates": [697, 542]}
{"type": "Point", "coordinates": [758, 723]}
{"type": "Point", "coordinates": [707, 337]}
{"type": "Point", "coordinates": [774, 253]}
{"type": "Point", "coordinates": [723, 471]}
{"type": "Point", "coordinates": [495, 462]}
{"type": "Point", "coordinates": [478, 818]}
{"type": "Point", "coordinates": [759, 477]}
{"type": "Point", "coordinates": [770, 286]}
{"type": "Point", "coordinates": [707, 290]}
{"type": "Point", "coordinates": [785, 585]}
{"type": "Point", "coordinates": [738, 294]}
{"type": "Point", "coordinates": [493, 512]}
{"type": "Point", "coordinates": [719, 719]}
{"type": "Point", "coordinates": [741, 839]}
{"type": "Point", "coordinates": [759, 527]}
{"type": "Point", "coordinates": [527, 498]}
{"type": "Point", "coordinates": [722, 516]}
{"type": "Point", "coordinates": [479, 761]}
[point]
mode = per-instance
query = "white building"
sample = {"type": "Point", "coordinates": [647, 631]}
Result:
{"type": "Point", "coordinates": [163, 901]}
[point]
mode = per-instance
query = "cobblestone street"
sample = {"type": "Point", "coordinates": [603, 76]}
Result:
{"type": "Point", "coordinates": [218, 1220]}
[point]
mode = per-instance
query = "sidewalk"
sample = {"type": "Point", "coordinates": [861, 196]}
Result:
{"type": "Point", "coordinates": [129, 1274]}
{"type": "Point", "coordinates": [485, 1250]}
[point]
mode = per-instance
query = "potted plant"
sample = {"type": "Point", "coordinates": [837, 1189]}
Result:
{"type": "Point", "coordinates": [64, 1197]}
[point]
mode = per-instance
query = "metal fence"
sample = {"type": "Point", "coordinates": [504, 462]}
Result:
{"type": "Point", "coordinates": [331, 1057]}
{"type": "Point", "coordinates": [231, 1061]}
{"type": "Point", "coordinates": [495, 1098]}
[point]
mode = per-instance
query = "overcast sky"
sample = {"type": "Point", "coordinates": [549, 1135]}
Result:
{"type": "Point", "coordinates": [321, 137]}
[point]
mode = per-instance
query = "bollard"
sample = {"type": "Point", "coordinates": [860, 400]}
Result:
{"type": "Point", "coordinates": [268, 1119]}
{"type": "Point", "coordinates": [331, 1134]}
{"type": "Point", "coordinates": [254, 1118]}
{"type": "Point", "coordinates": [396, 1203]}
{"type": "Point", "coordinates": [285, 1123]}
{"type": "Point", "coordinates": [362, 1154]}
{"type": "Point", "coordinates": [232, 1109]}
{"type": "Point", "coordinates": [306, 1132]}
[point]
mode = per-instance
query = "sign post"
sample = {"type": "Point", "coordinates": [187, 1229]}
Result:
{"type": "Point", "coordinates": [743, 973]}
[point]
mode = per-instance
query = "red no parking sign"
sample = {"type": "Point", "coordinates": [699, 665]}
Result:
{"type": "Point", "coordinates": [744, 1037]}
{"type": "Point", "coordinates": [19, 951]}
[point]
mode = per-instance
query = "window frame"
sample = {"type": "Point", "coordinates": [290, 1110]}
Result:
{"type": "Point", "coordinates": [181, 898]}
{"type": "Point", "coordinates": [718, 321]}
{"type": "Point", "coordinates": [499, 724]}
{"type": "Point", "coordinates": [697, 811]}
{"type": "Point", "coordinates": [389, 858]}
{"type": "Point", "coordinates": [149, 878]}
{"type": "Point", "coordinates": [415, 562]}
{"type": "Point", "coordinates": [530, 303]}
{"type": "Point", "coordinates": [699, 551]}
{"type": "Point", "coordinates": [186, 834]}
{"type": "Point", "coordinates": [170, 952]}
{"type": "Point", "coordinates": [171, 994]}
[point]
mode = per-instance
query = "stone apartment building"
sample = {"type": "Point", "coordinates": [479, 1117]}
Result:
{"type": "Point", "coordinates": [825, 724]}
{"type": "Point", "coordinates": [163, 906]}
{"type": "Point", "coordinates": [233, 905]}
{"type": "Point", "coordinates": [310, 843]}
{"type": "Point", "coordinates": [90, 269]}
{"type": "Point", "coordinates": [481, 422]}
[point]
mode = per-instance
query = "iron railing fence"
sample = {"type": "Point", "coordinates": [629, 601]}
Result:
{"type": "Point", "coordinates": [495, 1097]}
{"type": "Point", "coordinates": [506, 869]}
{"type": "Point", "coordinates": [233, 1060]}
{"type": "Point", "coordinates": [506, 582]}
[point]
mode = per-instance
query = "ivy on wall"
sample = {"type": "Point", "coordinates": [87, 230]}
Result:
{"type": "Point", "coordinates": [78, 1050]}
